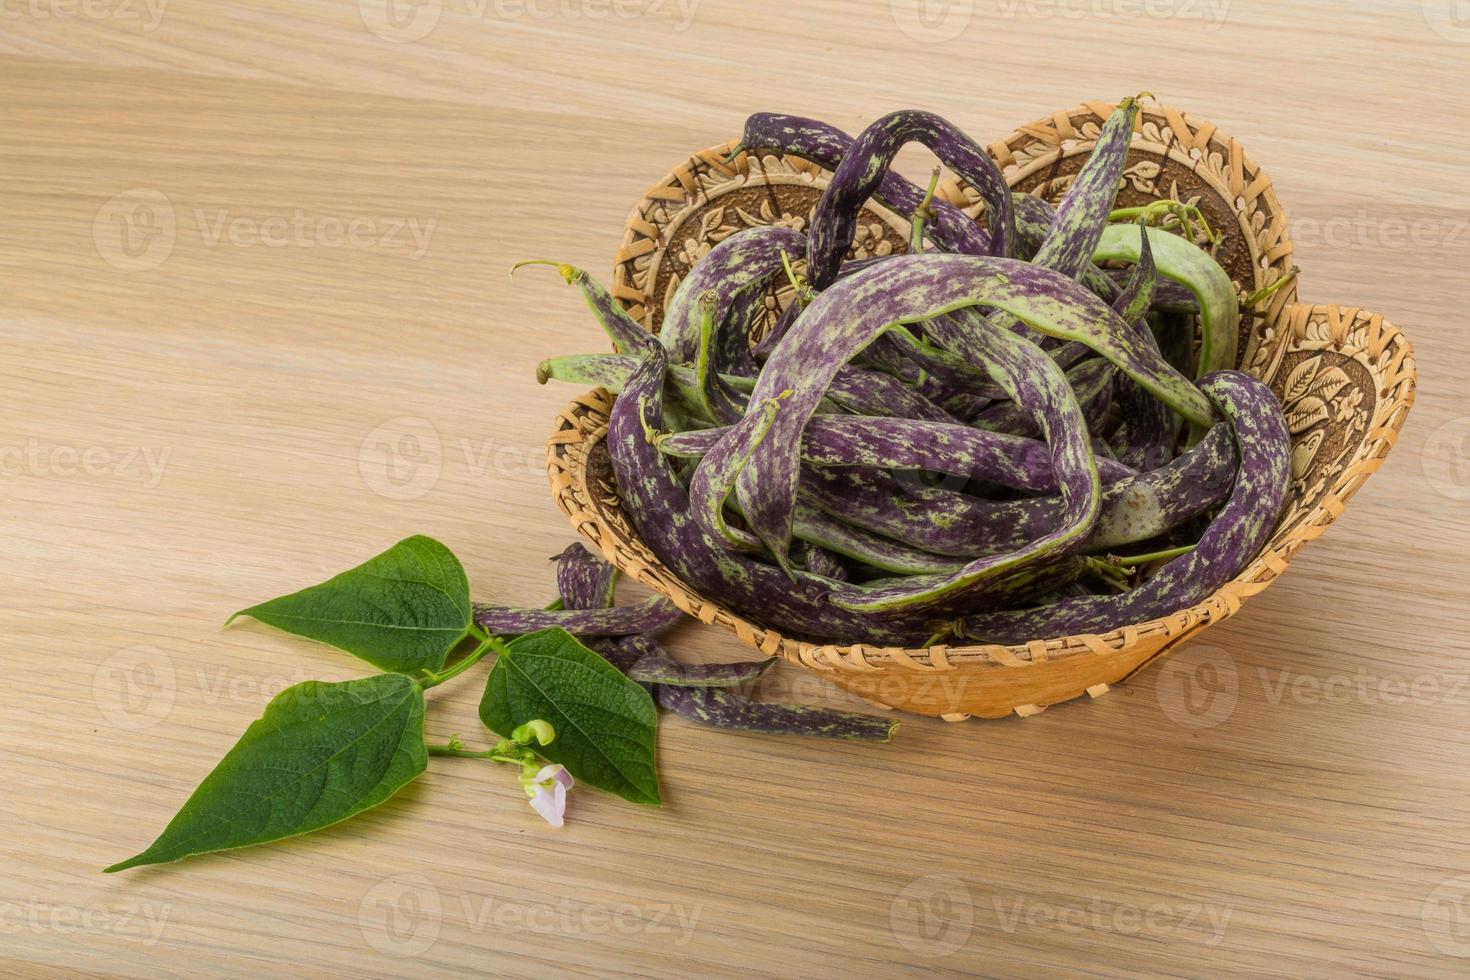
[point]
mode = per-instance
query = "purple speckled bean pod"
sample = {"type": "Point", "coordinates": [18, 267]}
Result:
{"type": "Point", "coordinates": [714, 478]}
{"type": "Point", "coordinates": [912, 444]}
{"type": "Point", "coordinates": [720, 707]}
{"type": "Point", "coordinates": [1083, 213]}
{"type": "Point", "coordinates": [744, 261]}
{"type": "Point", "coordinates": [584, 580]}
{"type": "Point", "coordinates": [1242, 527]}
{"type": "Point", "coordinates": [1136, 296]}
{"type": "Point", "coordinates": [845, 318]}
{"type": "Point", "coordinates": [660, 668]}
{"type": "Point", "coordinates": [1167, 294]}
{"type": "Point", "coordinates": [959, 387]}
{"type": "Point", "coordinates": [1145, 439]}
{"type": "Point", "coordinates": [658, 506]}
{"type": "Point", "coordinates": [1134, 508]}
{"type": "Point", "coordinates": [650, 616]}
{"type": "Point", "coordinates": [732, 340]}
{"type": "Point", "coordinates": [714, 398]}
{"type": "Point", "coordinates": [840, 537]}
{"type": "Point", "coordinates": [867, 392]}
{"type": "Point", "coordinates": [1034, 217]}
{"type": "Point", "coordinates": [1033, 379]}
{"type": "Point", "coordinates": [1093, 382]}
{"type": "Point", "coordinates": [770, 341]}
{"type": "Point", "coordinates": [860, 175]}
{"type": "Point", "coordinates": [950, 228]}
{"type": "Point", "coordinates": [626, 333]}
{"type": "Point", "coordinates": [820, 561]}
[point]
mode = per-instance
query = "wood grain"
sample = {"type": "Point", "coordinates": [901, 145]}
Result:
{"type": "Point", "coordinates": [186, 430]}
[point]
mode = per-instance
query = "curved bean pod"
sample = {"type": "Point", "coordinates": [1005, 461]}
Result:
{"type": "Point", "coordinates": [658, 506]}
{"type": "Point", "coordinates": [1134, 508]}
{"type": "Point", "coordinates": [584, 580]}
{"type": "Point", "coordinates": [1083, 213]}
{"type": "Point", "coordinates": [827, 146]}
{"type": "Point", "coordinates": [1091, 380]}
{"type": "Point", "coordinates": [1192, 267]}
{"type": "Point", "coordinates": [626, 333]}
{"type": "Point", "coordinates": [746, 260]}
{"type": "Point", "coordinates": [839, 441]}
{"type": "Point", "coordinates": [650, 616]}
{"type": "Point", "coordinates": [1031, 378]}
{"type": "Point", "coordinates": [664, 669]}
{"type": "Point", "coordinates": [1232, 540]}
{"type": "Point", "coordinates": [714, 399]}
{"type": "Point", "coordinates": [868, 159]}
{"type": "Point", "coordinates": [845, 319]}
{"type": "Point", "coordinates": [714, 478]}
{"type": "Point", "coordinates": [1145, 439]}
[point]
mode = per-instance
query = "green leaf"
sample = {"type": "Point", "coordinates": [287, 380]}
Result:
{"type": "Point", "coordinates": [321, 753]}
{"type": "Point", "coordinates": [402, 611]}
{"type": "Point", "coordinates": [604, 722]}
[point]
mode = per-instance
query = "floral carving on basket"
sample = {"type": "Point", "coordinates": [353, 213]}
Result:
{"type": "Point", "coordinates": [1329, 401]}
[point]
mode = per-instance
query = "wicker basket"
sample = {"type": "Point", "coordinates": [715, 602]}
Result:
{"type": "Point", "coordinates": [1345, 377]}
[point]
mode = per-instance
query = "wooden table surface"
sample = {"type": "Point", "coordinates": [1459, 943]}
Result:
{"type": "Point", "coordinates": [256, 325]}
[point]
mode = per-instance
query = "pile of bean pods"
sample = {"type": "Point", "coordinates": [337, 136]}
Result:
{"type": "Point", "coordinates": [1018, 429]}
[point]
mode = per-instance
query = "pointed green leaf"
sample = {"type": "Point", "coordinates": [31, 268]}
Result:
{"type": "Point", "coordinates": [605, 723]}
{"type": "Point", "coordinates": [321, 753]}
{"type": "Point", "coordinates": [402, 611]}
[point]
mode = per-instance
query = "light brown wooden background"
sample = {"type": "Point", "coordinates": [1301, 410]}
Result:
{"type": "Point", "coordinates": [1288, 796]}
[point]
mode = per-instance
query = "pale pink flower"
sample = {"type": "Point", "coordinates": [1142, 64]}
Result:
{"type": "Point", "coordinates": [549, 793]}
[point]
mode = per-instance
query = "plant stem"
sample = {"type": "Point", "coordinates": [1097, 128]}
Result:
{"type": "Point", "coordinates": [487, 643]}
{"type": "Point", "coordinates": [494, 755]}
{"type": "Point", "coordinates": [1264, 293]}
{"type": "Point", "coordinates": [458, 753]}
{"type": "Point", "coordinates": [803, 289]}
{"type": "Point", "coordinates": [1166, 555]}
{"type": "Point", "coordinates": [922, 214]}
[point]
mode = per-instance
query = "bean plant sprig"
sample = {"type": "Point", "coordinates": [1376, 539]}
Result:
{"type": "Point", "coordinates": [567, 699]}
